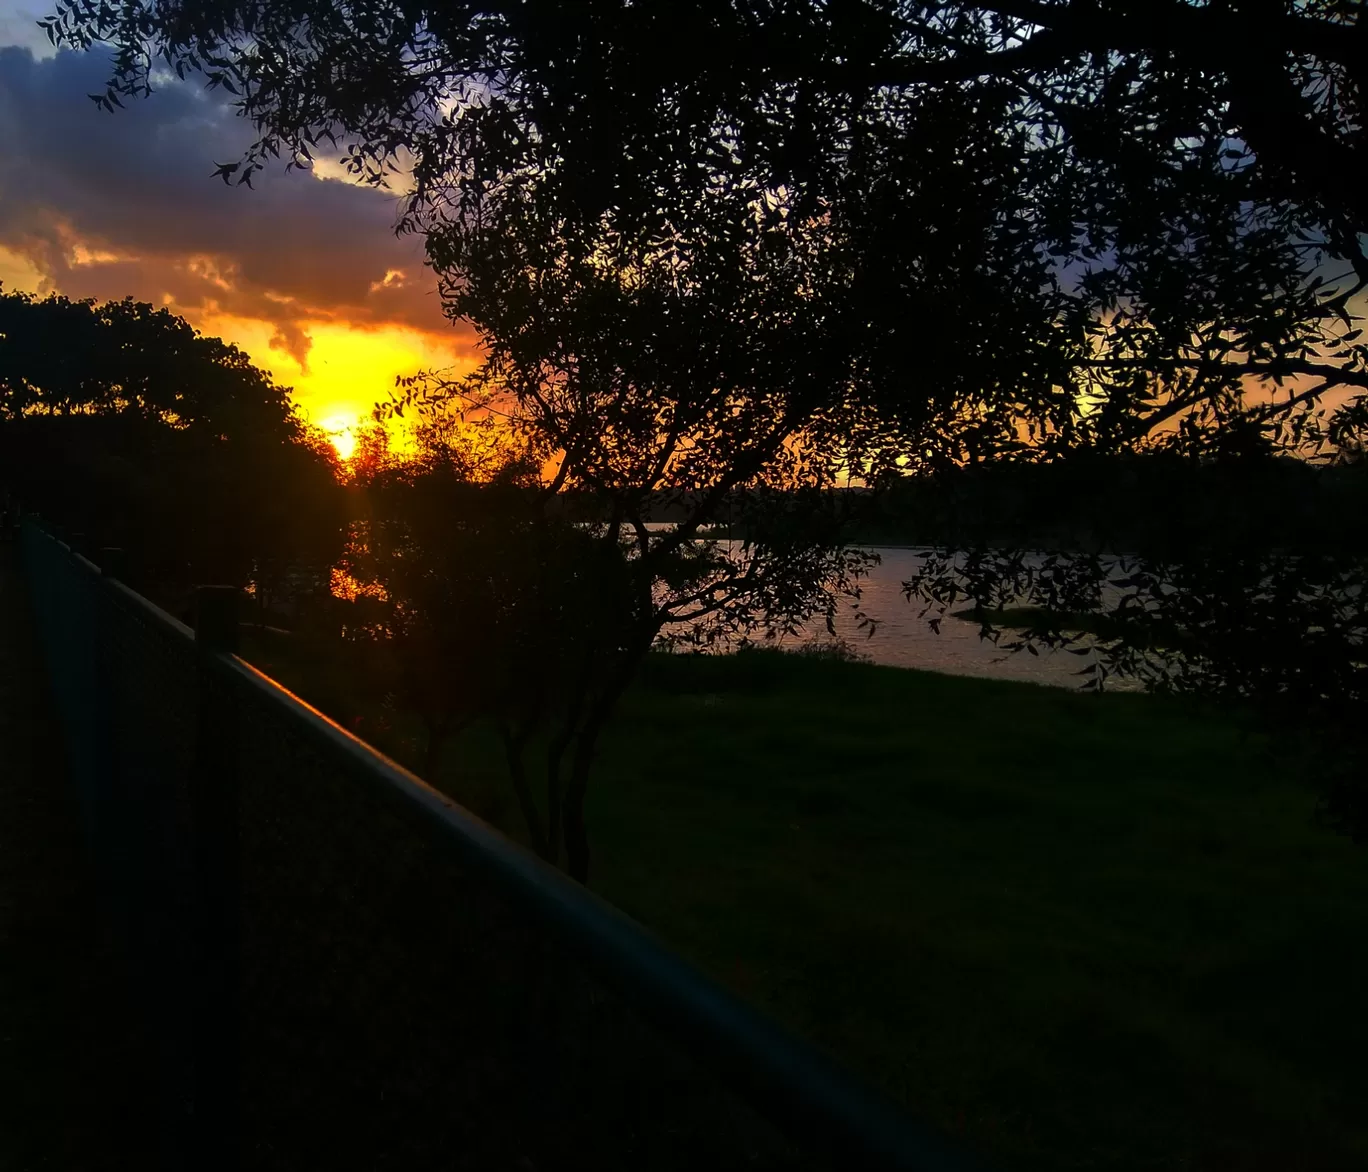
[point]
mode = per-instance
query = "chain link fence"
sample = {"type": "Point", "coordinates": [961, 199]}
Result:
{"type": "Point", "coordinates": [342, 969]}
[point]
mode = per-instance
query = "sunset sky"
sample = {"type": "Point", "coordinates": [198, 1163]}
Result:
{"type": "Point", "coordinates": [304, 273]}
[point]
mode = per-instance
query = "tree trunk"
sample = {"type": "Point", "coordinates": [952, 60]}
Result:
{"type": "Point", "coordinates": [575, 830]}
{"type": "Point", "coordinates": [555, 755]}
{"type": "Point", "coordinates": [513, 754]}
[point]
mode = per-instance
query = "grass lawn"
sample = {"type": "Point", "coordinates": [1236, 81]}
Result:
{"type": "Point", "coordinates": [1076, 931]}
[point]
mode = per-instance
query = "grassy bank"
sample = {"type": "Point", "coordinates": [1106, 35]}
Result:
{"type": "Point", "coordinates": [1078, 931]}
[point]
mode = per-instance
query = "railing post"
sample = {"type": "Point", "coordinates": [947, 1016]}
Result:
{"type": "Point", "coordinates": [215, 813]}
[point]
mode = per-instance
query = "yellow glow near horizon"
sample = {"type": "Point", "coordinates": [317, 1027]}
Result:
{"type": "Point", "coordinates": [349, 370]}
{"type": "Point", "coordinates": [18, 274]}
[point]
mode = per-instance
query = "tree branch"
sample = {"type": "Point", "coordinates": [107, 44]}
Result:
{"type": "Point", "coordinates": [1179, 25]}
{"type": "Point", "coordinates": [1281, 368]}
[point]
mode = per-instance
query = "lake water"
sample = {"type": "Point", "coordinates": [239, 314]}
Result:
{"type": "Point", "coordinates": [902, 639]}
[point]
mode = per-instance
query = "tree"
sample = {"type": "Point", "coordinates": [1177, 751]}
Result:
{"type": "Point", "coordinates": [1288, 75]}
{"type": "Point", "coordinates": [489, 606]}
{"type": "Point", "coordinates": [123, 422]}
{"type": "Point", "coordinates": [486, 608]}
{"type": "Point", "coordinates": [808, 242]}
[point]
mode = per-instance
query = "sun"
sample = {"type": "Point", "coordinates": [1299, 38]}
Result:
{"type": "Point", "coordinates": [341, 433]}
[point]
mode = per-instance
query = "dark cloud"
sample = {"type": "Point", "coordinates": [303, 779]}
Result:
{"type": "Point", "coordinates": [295, 341]}
{"type": "Point", "coordinates": [124, 204]}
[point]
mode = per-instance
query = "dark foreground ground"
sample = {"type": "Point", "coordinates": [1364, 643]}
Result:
{"type": "Point", "coordinates": [70, 1073]}
{"type": "Point", "coordinates": [1078, 932]}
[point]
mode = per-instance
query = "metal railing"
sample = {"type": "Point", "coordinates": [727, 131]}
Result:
{"type": "Point", "coordinates": [342, 968]}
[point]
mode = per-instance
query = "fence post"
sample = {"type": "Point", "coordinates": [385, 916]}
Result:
{"type": "Point", "coordinates": [215, 812]}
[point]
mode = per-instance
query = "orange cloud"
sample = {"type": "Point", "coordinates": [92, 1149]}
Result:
{"type": "Point", "coordinates": [349, 370]}
{"type": "Point", "coordinates": [304, 273]}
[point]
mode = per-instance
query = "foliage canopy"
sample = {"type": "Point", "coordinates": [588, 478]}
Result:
{"type": "Point", "coordinates": [128, 425]}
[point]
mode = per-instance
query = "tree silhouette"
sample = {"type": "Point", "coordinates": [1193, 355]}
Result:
{"type": "Point", "coordinates": [123, 422]}
{"type": "Point", "coordinates": [1284, 77]}
{"type": "Point", "coordinates": [484, 605]}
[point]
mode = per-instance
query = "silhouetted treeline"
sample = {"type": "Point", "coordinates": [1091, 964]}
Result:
{"type": "Point", "coordinates": [1163, 504]}
{"type": "Point", "coordinates": [1160, 504]}
{"type": "Point", "coordinates": [122, 423]}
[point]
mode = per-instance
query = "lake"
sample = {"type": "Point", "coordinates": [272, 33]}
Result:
{"type": "Point", "coordinates": [902, 639]}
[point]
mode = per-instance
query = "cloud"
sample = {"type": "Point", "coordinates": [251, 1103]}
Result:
{"type": "Point", "coordinates": [19, 26]}
{"type": "Point", "coordinates": [124, 205]}
{"type": "Point", "coordinates": [295, 341]}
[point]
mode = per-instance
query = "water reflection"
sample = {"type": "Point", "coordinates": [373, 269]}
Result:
{"type": "Point", "coordinates": [902, 638]}
{"type": "Point", "coordinates": [905, 640]}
